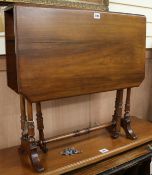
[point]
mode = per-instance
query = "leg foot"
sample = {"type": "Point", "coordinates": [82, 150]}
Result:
{"type": "Point", "coordinates": [34, 157]}
{"type": "Point", "coordinates": [126, 125]}
{"type": "Point", "coordinates": [126, 121]}
{"type": "Point", "coordinates": [30, 148]}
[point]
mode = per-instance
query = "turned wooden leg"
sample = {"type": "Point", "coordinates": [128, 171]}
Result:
{"type": "Point", "coordinates": [126, 121]}
{"type": "Point", "coordinates": [116, 122]}
{"type": "Point", "coordinates": [40, 126]}
{"type": "Point", "coordinates": [30, 144]}
{"type": "Point", "coordinates": [23, 122]}
{"type": "Point", "coordinates": [114, 116]}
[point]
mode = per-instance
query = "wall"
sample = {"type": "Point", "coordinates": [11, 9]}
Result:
{"type": "Point", "coordinates": [66, 115]}
{"type": "Point", "coordinates": [2, 34]}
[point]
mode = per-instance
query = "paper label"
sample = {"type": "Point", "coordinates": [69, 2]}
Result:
{"type": "Point", "coordinates": [103, 150]}
{"type": "Point", "coordinates": [97, 15]}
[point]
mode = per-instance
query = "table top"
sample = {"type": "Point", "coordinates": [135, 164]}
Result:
{"type": "Point", "coordinates": [65, 52]}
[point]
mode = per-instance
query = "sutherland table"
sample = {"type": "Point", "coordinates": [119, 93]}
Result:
{"type": "Point", "coordinates": [55, 53]}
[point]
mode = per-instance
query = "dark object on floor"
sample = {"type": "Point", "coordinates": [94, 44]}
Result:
{"type": "Point", "coordinates": [70, 152]}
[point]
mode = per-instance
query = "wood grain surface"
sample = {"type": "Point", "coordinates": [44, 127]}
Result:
{"type": "Point", "coordinates": [55, 163]}
{"type": "Point", "coordinates": [63, 53]}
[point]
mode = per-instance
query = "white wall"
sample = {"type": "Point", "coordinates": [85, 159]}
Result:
{"type": "Point", "coordinates": [2, 34]}
{"type": "Point", "coordinates": [143, 7]}
{"type": "Point", "coordinates": [2, 43]}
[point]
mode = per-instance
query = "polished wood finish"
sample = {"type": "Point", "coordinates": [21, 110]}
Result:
{"type": "Point", "coordinates": [40, 126]}
{"type": "Point", "coordinates": [77, 133]}
{"type": "Point", "coordinates": [24, 126]}
{"type": "Point", "coordinates": [53, 63]}
{"type": "Point", "coordinates": [10, 51]}
{"type": "Point", "coordinates": [31, 142]}
{"type": "Point", "coordinates": [126, 121]}
{"type": "Point", "coordinates": [116, 121]}
{"type": "Point", "coordinates": [28, 142]}
{"type": "Point", "coordinates": [3, 59]}
{"type": "Point", "coordinates": [114, 162]}
{"type": "Point", "coordinates": [55, 163]}
{"type": "Point", "coordinates": [69, 55]}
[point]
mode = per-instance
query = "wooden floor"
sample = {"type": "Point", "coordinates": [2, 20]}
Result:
{"type": "Point", "coordinates": [11, 163]}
